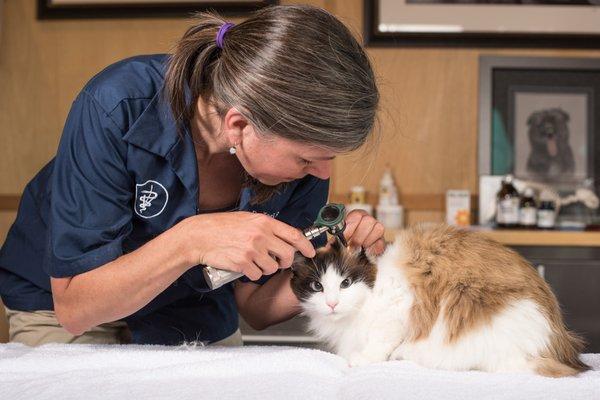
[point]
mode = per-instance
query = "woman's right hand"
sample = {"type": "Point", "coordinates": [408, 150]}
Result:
{"type": "Point", "coordinates": [251, 243]}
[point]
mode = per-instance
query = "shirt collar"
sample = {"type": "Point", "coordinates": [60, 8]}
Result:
{"type": "Point", "coordinates": [155, 129]}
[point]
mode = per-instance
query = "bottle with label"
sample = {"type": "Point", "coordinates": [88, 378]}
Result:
{"type": "Point", "coordinates": [528, 210]}
{"type": "Point", "coordinates": [546, 214]}
{"type": "Point", "coordinates": [358, 200]}
{"type": "Point", "coordinates": [507, 207]}
{"type": "Point", "coordinates": [389, 212]}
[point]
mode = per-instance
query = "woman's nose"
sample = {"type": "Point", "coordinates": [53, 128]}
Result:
{"type": "Point", "coordinates": [321, 169]}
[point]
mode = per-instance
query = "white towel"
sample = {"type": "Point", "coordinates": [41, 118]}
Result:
{"type": "Point", "coordinates": [255, 372]}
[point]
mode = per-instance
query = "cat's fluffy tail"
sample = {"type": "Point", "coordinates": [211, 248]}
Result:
{"type": "Point", "coordinates": [562, 357]}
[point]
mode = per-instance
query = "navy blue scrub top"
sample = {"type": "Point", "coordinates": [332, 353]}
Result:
{"type": "Point", "coordinates": [121, 176]}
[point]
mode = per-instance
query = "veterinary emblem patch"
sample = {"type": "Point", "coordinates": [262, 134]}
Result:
{"type": "Point", "coordinates": [150, 199]}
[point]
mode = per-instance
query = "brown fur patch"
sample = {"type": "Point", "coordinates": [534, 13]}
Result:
{"type": "Point", "coordinates": [469, 278]}
{"type": "Point", "coordinates": [553, 369]}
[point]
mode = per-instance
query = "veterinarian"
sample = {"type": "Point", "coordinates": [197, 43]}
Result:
{"type": "Point", "coordinates": [215, 155]}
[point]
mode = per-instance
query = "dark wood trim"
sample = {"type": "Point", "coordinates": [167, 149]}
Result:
{"type": "Point", "coordinates": [46, 10]}
{"type": "Point", "coordinates": [374, 38]}
{"type": "Point", "coordinates": [9, 202]}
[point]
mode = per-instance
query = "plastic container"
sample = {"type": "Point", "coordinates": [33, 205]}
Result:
{"type": "Point", "coordinates": [391, 216]}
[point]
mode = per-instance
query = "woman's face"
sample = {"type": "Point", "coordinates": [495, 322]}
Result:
{"type": "Point", "coordinates": [273, 160]}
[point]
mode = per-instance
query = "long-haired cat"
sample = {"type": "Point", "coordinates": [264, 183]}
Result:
{"type": "Point", "coordinates": [441, 297]}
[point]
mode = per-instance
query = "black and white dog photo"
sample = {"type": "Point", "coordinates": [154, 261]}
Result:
{"type": "Point", "coordinates": [551, 154]}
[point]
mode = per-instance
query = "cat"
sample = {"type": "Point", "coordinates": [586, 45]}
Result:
{"type": "Point", "coordinates": [440, 296]}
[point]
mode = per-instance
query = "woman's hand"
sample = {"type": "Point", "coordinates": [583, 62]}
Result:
{"type": "Point", "coordinates": [362, 230]}
{"type": "Point", "coordinates": [251, 243]}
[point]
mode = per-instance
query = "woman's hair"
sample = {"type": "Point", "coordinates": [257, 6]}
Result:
{"type": "Point", "coordinates": [293, 71]}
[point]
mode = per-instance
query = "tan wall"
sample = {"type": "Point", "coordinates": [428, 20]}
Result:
{"type": "Point", "coordinates": [428, 126]}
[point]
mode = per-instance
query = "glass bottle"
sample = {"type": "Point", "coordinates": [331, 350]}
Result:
{"type": "Point", "coordinates": [546, 214]}
{"type": "Point", "coordinates": [528, 210]}
{"type": "Point", "coordinates": [507, 205]}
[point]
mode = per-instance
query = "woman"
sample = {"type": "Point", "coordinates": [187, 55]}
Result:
{"type": "Point", "coordinates": [215, 156]}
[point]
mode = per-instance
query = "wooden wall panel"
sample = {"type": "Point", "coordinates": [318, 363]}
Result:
{"type": "Point", "coordinates": [428, 120]}
{"type": "Point", "coordinates": [6, 220]}
{"type": "Point", "coordinates": [44, 64]}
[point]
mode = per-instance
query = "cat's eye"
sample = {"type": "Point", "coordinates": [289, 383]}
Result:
{"type": "Point", "coordinates": [345, 283]}
{"type": "Point", "coordinates": [316, 286]}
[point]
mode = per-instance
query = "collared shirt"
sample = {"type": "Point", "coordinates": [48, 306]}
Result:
{"type": "Point", "coordinates": [121, 176]}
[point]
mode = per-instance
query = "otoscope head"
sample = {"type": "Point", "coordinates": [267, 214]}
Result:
{"type": "Point", "coordinates": [333, 217]}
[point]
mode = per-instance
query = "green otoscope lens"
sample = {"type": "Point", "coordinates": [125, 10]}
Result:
{"type": "Point", "coordinates": [331, 215]}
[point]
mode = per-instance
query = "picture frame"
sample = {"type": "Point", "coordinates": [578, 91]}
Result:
{"type": "Point", "coordinates": [74, 9]}
{"type": "Point", "coordinates": [482, 23]}
{"type": "Point", "coordinates": [539, 119]}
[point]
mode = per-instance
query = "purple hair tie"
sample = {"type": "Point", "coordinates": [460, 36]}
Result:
{"type": "Point", "coordinates": [221, 34]}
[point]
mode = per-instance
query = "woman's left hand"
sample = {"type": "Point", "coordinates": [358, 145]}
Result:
{"type": "Point", "coordinates": [365, 231]}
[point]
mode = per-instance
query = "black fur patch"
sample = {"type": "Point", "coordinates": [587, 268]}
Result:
{"type": "Point", "coordinates": [349, 264]}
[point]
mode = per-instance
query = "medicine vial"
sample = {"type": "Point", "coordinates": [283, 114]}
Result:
{"type": "Point", "coordinates": [507, 206]}
{"type": "Point", "coordinates": [528, 209]}
{"type": "Point", "coordinates": [546, 215]}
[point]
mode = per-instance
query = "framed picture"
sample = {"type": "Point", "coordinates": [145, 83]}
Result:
{"type": "Point", "coordinates": [539, 119]}
{"type": "Point", "coordinates": [57, 9]}
{"type": "Point", "coordinates": [483, 23]}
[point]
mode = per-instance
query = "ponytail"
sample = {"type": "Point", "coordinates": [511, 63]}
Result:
{"type": "Point", "coordinates": [191, 66]}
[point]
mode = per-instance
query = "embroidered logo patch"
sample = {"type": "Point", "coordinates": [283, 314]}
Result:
{"type": "Point", "coordinates": [150, 199]}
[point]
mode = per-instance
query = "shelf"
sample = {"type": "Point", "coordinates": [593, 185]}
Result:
{"type": "Point", "coordinates": [532, 237]}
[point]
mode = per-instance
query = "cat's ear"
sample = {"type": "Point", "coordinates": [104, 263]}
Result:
{"type": "Point", "coordinates": [336, 246]}
{"type": "Point", "coordinates": [364, 257]}
{"type": "Point", "coordinates": [361, 255]}
{"type": "Point", "coordinates": [299, 260]}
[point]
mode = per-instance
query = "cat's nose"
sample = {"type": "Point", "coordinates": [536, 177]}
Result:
{"type": "Point", "coordinates": [332, 304]}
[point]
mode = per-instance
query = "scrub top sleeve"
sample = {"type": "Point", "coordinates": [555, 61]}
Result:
{"type": "Point", "coordinates": [301, 211]}
{"type": "Point", "coordinates": [90, 192]}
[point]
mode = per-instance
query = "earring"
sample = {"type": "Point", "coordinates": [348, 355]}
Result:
{"type": "Point", "coordinates": [232, 150]}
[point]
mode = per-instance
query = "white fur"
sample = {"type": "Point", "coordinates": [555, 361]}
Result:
{"type": "Point", "coordinates": [370, 326]}
{"type": "Point", "coordinates": [508, 343]}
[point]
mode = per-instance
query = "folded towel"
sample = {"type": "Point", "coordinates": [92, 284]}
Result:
{"type": "Point", "coordinates": [255, 372]}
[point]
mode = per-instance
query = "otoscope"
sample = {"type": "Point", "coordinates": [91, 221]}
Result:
{"type": "Point", "coordinates": [331, 218]}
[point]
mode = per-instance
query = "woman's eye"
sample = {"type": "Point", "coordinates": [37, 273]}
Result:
{"type": "Point", "coordinates": [316, 286]}
{"type": "Point", "coordinates": [304, 161]}
{"type": "Point", "coordinates": [345, 283]}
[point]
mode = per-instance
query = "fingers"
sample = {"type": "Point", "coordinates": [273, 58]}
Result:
{"type": "Point", "coordinates": [375, 235]}
{"type": "Point", "coordinates": [252, 271]}
{"type": "Point", "coordinates": [376, 248]}
{"type": "Point", "coordinates": [365, 231]}
{"type": "Point", "coordinates": [283, 251]}
{"type": "Point", "coordinates": [266, 263]}
{"type": "Point", "coordinates": [352, 220]}
{"type": "Point", "coordinates": [361, 224]}
{"type": "Point", "coordinates": [295, 237]}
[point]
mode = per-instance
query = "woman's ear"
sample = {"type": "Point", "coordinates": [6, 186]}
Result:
{"type": "Point", "coordinates": [234, 125]}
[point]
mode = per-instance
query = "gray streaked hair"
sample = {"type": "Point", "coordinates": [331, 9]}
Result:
{"type": "Point", "coordinates": [293, 71]}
